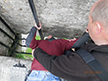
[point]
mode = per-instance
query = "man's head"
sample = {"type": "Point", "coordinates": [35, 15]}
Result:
{"type": "Point", "coordinates": [100, 12]}
{"type": "Point", "coordinates": [98, 22]}
{"type": "Point", "coordinates": [50, 38]}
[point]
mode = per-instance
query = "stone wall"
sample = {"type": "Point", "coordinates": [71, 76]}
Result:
{"type": "Point", "coordinates": [10, 73]}
{"type": "Point", "coordinates": [61, 18]}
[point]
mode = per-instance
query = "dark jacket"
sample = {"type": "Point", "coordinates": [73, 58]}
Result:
{"type": "Point", "coordinates": [72, 67]}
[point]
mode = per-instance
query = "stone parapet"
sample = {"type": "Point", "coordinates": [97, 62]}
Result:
{"type": "Point", "coordinates": [10, 73]}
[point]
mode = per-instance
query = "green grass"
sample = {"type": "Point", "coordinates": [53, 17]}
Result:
{"type": "Point", "coordinates": [37, 37]}
{"type": "Point", "coordinates": [19, 55]}
{"type": "Point", "coordinates": [29, 50]}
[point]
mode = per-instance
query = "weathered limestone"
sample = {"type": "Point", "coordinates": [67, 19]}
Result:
{"type": "Point", "coordinates": [10, 73]}
{"type": "Point", "coordinates": [61, 18]}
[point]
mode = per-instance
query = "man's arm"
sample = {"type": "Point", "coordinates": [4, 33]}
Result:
{"type": "Point", "coordinates": [31, 41]}
{"type": "Point", "coordinates": [31, 36]}
{"type": "Point", "coordinates": [70, 67]}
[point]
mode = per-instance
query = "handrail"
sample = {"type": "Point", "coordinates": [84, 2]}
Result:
{"type": "Point", "coordinates": [7, 26]}
{"type": "Point", "coordinates": [6, 34]}
{"type": "Point", "coordinates": [12, 49]}
{"type": "Point", "coordinates": [15, 39]}
{"type": "Point", "coordinates": [11, 38]}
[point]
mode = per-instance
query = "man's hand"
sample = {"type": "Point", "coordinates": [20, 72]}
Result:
{"type": "Point", "coordinates": [33, 53]}
{"type": "Point", "coordinates": [72, 39]}
{"type": "Point", "coordinates": [86, 30]}
{"type": "Point", "coordinates": [38, 28]}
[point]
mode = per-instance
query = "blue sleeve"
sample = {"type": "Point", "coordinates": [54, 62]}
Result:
{"type": "Point", "coordinates": [31, 36]}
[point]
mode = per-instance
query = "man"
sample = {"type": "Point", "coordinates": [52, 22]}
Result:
{"type": "Point", "coordinates": [51, 46]}
{"type": "Point", "coordinates": [72, 67]}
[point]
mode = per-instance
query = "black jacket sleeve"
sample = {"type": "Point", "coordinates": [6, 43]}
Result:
{"type": "Point", "coordinates": [70, 67]}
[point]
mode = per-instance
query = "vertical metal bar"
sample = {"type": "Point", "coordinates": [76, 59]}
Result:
{"type": "Point", "coordinates": [14, 46]}
{"type": "Point", "coordinates": [4, 45]}
{"type": "Point", "coordinates": [12, 38]}
{"type": "Point", "coordinates": [15, 41]}
{"type": "Point", "coordinates": [12, 49]}
{"type": "Point", "coordinates": [6, 34]}
{"type": "Point", "coordinates": [7, 26]}
{"type": "Point", "coordinates": [31, 3]}
{"type": "Point", "coordinates": [23, 52]}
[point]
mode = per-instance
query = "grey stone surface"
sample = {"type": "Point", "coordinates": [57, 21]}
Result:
{"type": "Point", "coordinates": [61, 18]}
{"type": "Point", "coordinates": [10, 73]}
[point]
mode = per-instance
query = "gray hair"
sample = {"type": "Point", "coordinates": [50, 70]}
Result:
{"type": "Point", "coordinates": [100, 13]}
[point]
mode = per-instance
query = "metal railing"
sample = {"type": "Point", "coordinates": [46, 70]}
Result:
{"type": "Point", "coordinates": [15, 40]}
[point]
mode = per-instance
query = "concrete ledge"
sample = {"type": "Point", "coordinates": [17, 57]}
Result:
{"type": "Point", "coordinates": [10, 73]}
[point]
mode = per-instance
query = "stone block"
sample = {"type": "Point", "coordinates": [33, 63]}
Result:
{"type": "Point", "coordinates": [61, 18]}
{"type": "Point", "coordinates": [10, 73]}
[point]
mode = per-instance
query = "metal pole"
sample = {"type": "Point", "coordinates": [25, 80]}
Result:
{"type": "Point", "coordinates": [23, 53]}
{"type": "Point", "coordinates": [7, 26]}
{"type": "Point", "coordinates": [6, 34]}
{"type": "Point", "coordinates": [31, 3]}
{"type": "Point", "coordinates": [12, 38]}
{"type": "Point", "coordinates": [12, 49]}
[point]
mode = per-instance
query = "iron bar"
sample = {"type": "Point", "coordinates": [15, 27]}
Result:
{"type": "Point", "coordinates": [6, 34]}
{"type": "Point", "coordinates": [33, 9]}
{"type": "Point", "coordinates": [14, 45]}
{"type": "Point", "coordinates": [15, 40]}
{"type": "Point", "coordinates": [22, 38]}
{"type": "Point", "coordinates": [23, 52]}
{"type": "Point", "coordinates": [7, 26]}
{"type": "Point", "coordinates": [12, 38]}
{"type": "Point", "coordinates": [12, 49]}
{"type": "Point", "coordinates": [5, 45]}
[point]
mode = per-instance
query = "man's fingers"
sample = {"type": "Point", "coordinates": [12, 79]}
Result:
{"type": "Point", "coordinates": [33, 52]}
{"type": "Point", "coordinates": [71, 39]}
{"type": "Point", "coordinates": [37, 26]}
